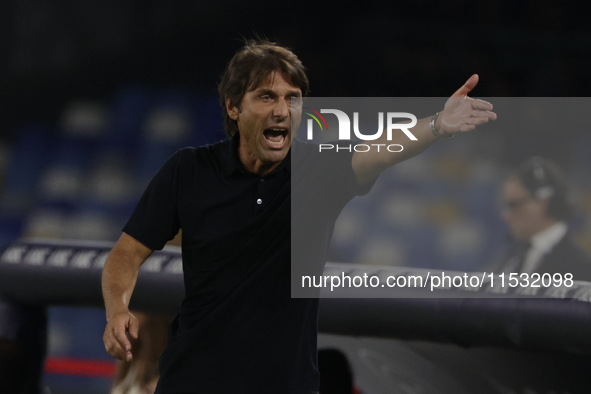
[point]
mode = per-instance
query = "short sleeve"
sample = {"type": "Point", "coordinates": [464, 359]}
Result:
{"type": "Point", "coordinates": [155, 219]}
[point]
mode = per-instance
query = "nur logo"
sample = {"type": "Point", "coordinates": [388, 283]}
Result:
{"type": "Point", "coordinates": [317, 117]}
{"type": "Point", "coordinates": [345, 124]}
{"type": "Point", "coordinates": [344, 128]}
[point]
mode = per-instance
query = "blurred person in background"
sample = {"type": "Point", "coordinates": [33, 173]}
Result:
{"type": "Point", "coordinates": [141, 375]}
{"type": "Point", "coordinates": [336, 375]}
{"type": "Point", "coordinates": [536, 206]}
{"type": "Point", "coordinates": [23, 347]}
{"type": "Point", "coordinates": [239, 330]}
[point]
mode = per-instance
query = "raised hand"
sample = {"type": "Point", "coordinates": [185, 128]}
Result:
{"type": "Point", "coordinates": [462, 113]}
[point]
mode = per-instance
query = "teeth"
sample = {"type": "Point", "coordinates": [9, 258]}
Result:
{"type": "Point", "coordinates": [276, 136]}
{"type": "Point", "coordinates": [278, 143]}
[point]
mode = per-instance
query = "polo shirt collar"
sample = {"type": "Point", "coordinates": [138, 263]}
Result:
{"type": "Point", "coordinates": [231, 163]}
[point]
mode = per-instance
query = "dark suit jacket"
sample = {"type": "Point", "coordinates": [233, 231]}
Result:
{"type": "Point", "coordinates": [567, 257]}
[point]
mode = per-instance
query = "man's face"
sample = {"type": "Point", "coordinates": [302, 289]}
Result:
{"type": "Point", "coordinates": [524, 214]}
{"type": "Point", "coordinates": [264, 122]}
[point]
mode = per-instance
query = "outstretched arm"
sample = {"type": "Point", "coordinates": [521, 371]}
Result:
{"type": "Point", "coordinates": [460, 114]}
{"type": "Point", "coordinates": [118, 281]}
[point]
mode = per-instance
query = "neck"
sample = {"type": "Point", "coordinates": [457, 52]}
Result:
{"type": "Point", "coordinates": [255, 165]}
{"type": "Point", "coordinates": [545, 225]}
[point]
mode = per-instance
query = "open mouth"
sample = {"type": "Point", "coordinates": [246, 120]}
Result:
{"type": "Point", "coordinates": [276, 137]}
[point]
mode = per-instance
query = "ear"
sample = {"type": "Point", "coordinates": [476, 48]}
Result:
{"type": "Point", "coordinates": [232, 110]}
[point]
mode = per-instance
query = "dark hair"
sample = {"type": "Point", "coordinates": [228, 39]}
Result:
{"type": "Point", "coordinates": [544, 179]}
{"type": "Point", "coordinates": [250, 66]}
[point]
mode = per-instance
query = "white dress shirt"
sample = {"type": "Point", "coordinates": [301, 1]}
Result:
{"type": "Point", "coordinates": [542, 243]}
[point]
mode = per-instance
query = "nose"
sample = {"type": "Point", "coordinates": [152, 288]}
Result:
{"type": "Point", "coordinates": [281, 109]}
{"type": "Point", "coordinates": [509, 216]}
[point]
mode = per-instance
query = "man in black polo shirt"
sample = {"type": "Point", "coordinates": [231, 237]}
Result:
{"type": "Point", "coordinates": [239, 330]}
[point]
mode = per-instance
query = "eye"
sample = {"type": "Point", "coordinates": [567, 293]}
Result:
{"type": "Point", "coordinates": [265, 97]}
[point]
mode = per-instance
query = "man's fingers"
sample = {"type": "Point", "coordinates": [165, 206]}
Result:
{"type": "Point", "coordinates": [122, 339]}
{"type": "Point", "coordinates": [490, 115]}
{"type": "Point", "coordinates": [481, 105]}
{"type": "Point", "coordinates": [133, 328]}
{"type": "Point", "coordinates": [467, 87]}
{"type": "Point", "coordinates": [481, 117]}
{"type": "Point", "coordinates": [124, 344]}
{"type": "Point", "coordinates": [113, 347]}
{"type": "Point", "coordinates": [463, 113]}
{"type": "Point", "coordinates": [467, 127]}
{"type": "Point", "coordinates": [471, 123]}
{"type": "Point", "coordinates": [120, 329]}
{"type": "Point", "coordinates": [115, 350]}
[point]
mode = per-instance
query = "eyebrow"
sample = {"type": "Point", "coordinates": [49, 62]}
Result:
{"type": "Point", "coordinates": [263, 90]}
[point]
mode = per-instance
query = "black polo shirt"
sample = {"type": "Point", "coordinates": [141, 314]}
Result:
{"type": "Point", "coordinates": [239, 330]}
